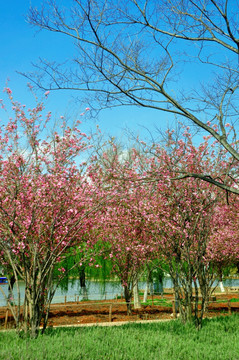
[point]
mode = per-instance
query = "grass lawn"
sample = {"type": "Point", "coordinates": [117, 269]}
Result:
{"type": "Point", "coordinates": [217, 340]}
{"type": "Point", "coordinates": [159, 302]}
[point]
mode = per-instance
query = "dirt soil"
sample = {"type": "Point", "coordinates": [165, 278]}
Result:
{"type": "Point", "coordinates": [99, 311]}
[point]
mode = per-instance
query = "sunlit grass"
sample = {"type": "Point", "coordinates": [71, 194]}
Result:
{"type": "Point", "coordinates": [218, 339]}
{"type": "Point", "coordinates": [226, 300]}
{"type": "Point", "coordinates": [234, 300]}
{"type": "Point", "coordinates": [158, 302]}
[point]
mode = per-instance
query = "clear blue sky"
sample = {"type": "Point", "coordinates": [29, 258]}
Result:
{"type": "Point", "coordinates": [22, 45]}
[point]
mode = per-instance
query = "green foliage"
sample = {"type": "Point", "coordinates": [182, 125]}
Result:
{"type": "Point", "coordinates": [217, 340]}
{"type": "Point", "coordinates": [73, 265]}
{"type": "Point", "coordinates": [103, 272]}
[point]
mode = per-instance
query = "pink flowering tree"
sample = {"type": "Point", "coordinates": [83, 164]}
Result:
{"type": "Point", "coordinates": [173, 220]}
{"type": "Point", "coordinates": [184, 232]}
{"type": "Point", "coordinates": [187, 222]}
{"type": "Point", "coordinates": [125, 223]}
{"type": "Point", "coordinates": [154, 216]}
{"type": "Point", "coordinates": [223, 248]}
{"type": "Point", "coordinates": [130, 243]}
{"type": "Point", "coordinates": [46, 203]}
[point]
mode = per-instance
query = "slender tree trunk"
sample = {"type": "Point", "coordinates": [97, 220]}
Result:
{"type": "Point", "coordinates": [149, 284]}
{"type": "Point", "coordinates": [10, 288]}
{"type": "Point", "coordinates": [189, 304]}
{"type": "Point", "coordinates": [128, 297]}
{"type": "Point", "coordinates": [34, 321]}
{"type": "Point", "coordinates": [38, 295]}
{"type": "Point", "coordinates": [31, 319]}
{"type": "Point", "coordinates": [83, 284]}
{"type": "Point", "coordinates": [182, 281]}
{"type": "Point", "coordinates": [137, 303]}
{"type": "Point", "coordinates": [205, 279]}
{"type": "Point", "coordinates": [221, 286]}
{"type": "Point", "coordinates": [220, 282]}
{"type": "Point", "coordinates": [146, 290]}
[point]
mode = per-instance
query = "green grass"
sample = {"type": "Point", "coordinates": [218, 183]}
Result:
{"type": "Point", "coordinates": [217, 340]}
{"type": "Point", "coordinates": [159, 302]}
{"type": "Point", "coordinates": [234, 300]}
{"type": "Point", "coordinates": [226, 301]}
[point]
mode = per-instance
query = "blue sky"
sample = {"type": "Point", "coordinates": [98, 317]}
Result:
{"type": "Point", "coordinates": [22, 45]}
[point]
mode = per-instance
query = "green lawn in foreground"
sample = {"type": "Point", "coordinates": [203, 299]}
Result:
{"type": "Point", "coordinates": [218, 339]}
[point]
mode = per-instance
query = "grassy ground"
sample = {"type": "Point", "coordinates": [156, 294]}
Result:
{"type": "Point", "coordinates": [159, 302]}
{"type": "Point", "coordinates": [231, 300]}
{"type": "Point", "coordinates": [217, 340]}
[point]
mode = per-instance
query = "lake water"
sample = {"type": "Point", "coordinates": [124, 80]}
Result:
{"type": "Point", "coordinates": [96, 290]}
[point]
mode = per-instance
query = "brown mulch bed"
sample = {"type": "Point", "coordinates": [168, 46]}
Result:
{"type": "Point", "coordinates": [98, 312]}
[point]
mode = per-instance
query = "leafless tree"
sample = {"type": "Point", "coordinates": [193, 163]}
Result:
{"type": "Point", "coordinates": [142, 53]}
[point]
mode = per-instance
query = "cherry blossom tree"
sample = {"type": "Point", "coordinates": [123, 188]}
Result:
{"type": "Point", "coordinates": [46, 206]}
{"type": "Point", "coordinates": [153, 216]}
{"type": "Point", "coordinates": [124, 222]}
{"type": "Point", "coordinates": [187, 220]}
{"type": "Point", "coordinates": [223, 248]}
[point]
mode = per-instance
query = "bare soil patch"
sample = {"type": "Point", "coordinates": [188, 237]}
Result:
{"type": "Point", "coordinates": [115, 311]}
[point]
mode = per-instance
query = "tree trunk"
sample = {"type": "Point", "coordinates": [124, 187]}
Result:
{"type": "Point", "coordinates": [137, 303]}
{"type": "Point", "coordinates": [221, 286]}
{"type": "Point", "coordinates": [10, 288]}
{"type": "Point", "coordinates": [182, 281]}
{"type": "Point", "coordinates": [83, 284]}
{"type": "Point", "coordinates": [205, 279]}
{"type": "Point", "coordinates": [146, 290]}
{"type": "Point", "coordinates": [31, 316]}
{"type": "Point", "coordinates": [220, 282]}
{"type": "Point", "coordinates": [38, 296]}
{"type": "Point", "coordinates": [149, 285]}
{"type": "Point", "coordinates": [84, 293]}
{"type": "Point", "coordinates": [128, 296]}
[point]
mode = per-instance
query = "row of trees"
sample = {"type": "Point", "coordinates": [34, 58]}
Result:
{"type": "Point", "coordinates": [124, 206]}
{"type": "Point", "coordinates": [186, 224]}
